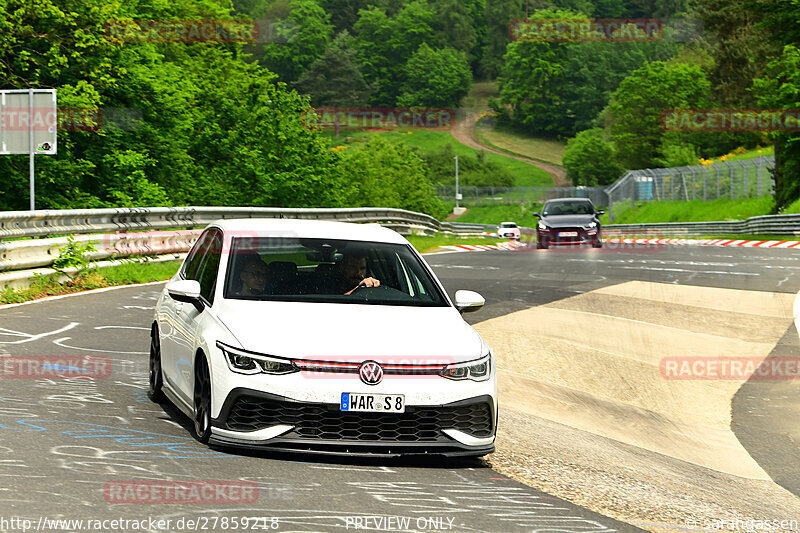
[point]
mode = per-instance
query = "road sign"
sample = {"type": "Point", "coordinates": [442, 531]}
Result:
{"type": "Point", "coordinates": [28, 125]}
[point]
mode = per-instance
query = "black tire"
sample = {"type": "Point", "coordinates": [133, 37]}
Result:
{"type": "Point", "coordinates": [541, 245]}
{"type": "Point", "coordinates": [202, 400]}
{"type": "Point", "coordinates": [154, 391]}
{"type": "Point", "coordinates": [597, 244]}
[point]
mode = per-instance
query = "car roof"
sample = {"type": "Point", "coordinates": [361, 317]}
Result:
{"type": "Point", "coordinates": [508, 223]}
{"type": "Point", "coordinates": [319, 229]}
{"type": "Point", "coordinates": [569, 200]}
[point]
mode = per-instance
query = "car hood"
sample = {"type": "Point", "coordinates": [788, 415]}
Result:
{"type": "Point", "coordinates": [562, 221]}
{"type": "Point", "coordinates": [341, 331]}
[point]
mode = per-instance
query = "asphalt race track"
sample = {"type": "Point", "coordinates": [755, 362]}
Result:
{"type": "Point", "coordinates": [63, 443]}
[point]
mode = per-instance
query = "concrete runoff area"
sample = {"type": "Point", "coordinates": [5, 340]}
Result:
{"type": "Point", "coordinates": [590, 364]}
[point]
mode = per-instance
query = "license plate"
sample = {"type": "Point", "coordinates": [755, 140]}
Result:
{"type": "Point", "coordinates": [373, 403]}
{"type": "Point", "coordinates": [568, 234]}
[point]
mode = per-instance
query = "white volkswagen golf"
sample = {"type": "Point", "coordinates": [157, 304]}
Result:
{"type": "Point", "coordinates": [323, 337]}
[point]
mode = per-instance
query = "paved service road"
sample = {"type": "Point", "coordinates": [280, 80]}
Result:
{"type": "Point", "coordinates": [63, 441]}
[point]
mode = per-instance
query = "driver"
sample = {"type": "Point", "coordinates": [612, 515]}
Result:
{"type": "Point", "coordinates": [353, 274]}
{"type": "Point", "coordinates": [253, 277]}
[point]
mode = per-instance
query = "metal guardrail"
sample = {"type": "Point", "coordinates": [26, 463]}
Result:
{"type": "Point", "coordinates": [131, 237]}
{"type": "Point", "coordinates": [760, 225]}
{"type": "Point", "coordinates": [81, 221]}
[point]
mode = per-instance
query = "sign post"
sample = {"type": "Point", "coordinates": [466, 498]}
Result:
{"type": "Point", "coordinates": [28, 125]}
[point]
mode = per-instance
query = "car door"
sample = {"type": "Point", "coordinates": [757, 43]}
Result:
{"type": "Point", "coordinates": [187, 317]}
{"type": "Point", "coordinates": [171, 338]}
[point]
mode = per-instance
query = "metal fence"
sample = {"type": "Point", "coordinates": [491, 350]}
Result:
{"type": "Point", "coordinates": [750, 178]}
{"type": "Point", "coordinates": [476, 196]}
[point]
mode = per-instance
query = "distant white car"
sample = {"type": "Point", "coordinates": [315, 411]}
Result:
{"type": "Point", "coordinates": [324, 337]}
{"type": "Point", "coordinates": [508, 230]}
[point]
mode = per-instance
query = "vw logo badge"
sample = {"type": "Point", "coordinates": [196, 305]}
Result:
{"type": "Point", "coordinates": [370, 372]}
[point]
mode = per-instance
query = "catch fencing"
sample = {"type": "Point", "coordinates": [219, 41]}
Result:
{"type": "Point", "coordinates": [484, 196]}
{"type": "Point", "coordinates": [734, 180]}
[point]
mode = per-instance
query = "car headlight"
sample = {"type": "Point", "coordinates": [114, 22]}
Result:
{"type": "Point", "coordinates": [477, 370]}
{"type": "Point", "coordinates": [543, 226]}
{"type": "Point", "coordinates": [590, 225]}
{"type": "Point", "coordinates": [244, 362]}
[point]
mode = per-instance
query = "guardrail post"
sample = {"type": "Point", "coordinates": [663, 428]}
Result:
{"type": "Point", "coordinates": [744, 177]}
{"type": "Point", "coordinates": [759, 179]}
{"type": "Point", "coordinates": [671, 188]}
{"type": "Point", "coordinates": [730, 171]}
{"type": "Point", "coordinates": [705, 173]}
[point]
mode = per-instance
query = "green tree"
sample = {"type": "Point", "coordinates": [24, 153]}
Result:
{"type": "Point", "coordinates": [633, 115]}
{"type": "Point", "coordinates": [344, 13]}
{"type": "Point", "coordinates": [473, 170]}
{"type": "Point", "coordinates": [385, 43]}
{"type": "Point", "coordinates": [558, 88]}
{"type": "Point", "coordinates": [589, 159]}
{"type": "Point", "coordinates": [383, 174]}
{"type": "Point", "coordinates": [300, 39]}
{"type": "Point", "coordinates": [335, 78]}
{"type": "Point", "coordinates": [454, 25]}
{"type": "Point", "coordinates": [208, 128]}
{"type": "Point", "coordinates": [738, 44]}
{"type": "Point", "coordinates": [780, 88]}
{"type": "Point", "coordinates": [435, 78]}
{"type": "Point", "coordinates": [498, 15]}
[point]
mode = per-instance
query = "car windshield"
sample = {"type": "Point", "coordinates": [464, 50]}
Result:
{"type": "Point", "coordinates": [323, 270]}
{"type": "Point", "coordinates": [568, 208]}
{"type": "Point", "coordinates": [508, 225]}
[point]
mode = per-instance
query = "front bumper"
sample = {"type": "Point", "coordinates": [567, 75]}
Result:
{"type": "Point", "coordinates": [552, 237]}
{"type": "Point", "coordinates": [259, 420]}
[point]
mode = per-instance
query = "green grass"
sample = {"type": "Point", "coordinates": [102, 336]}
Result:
{"type": "Point", "coordinates": [125, 274]}
{"type": "Point", "coordinates": [427, 140]}
{"type": "Point", "coordinates": [479, 94]}
{"type": "Point", "coordinates": [692, 211]}
{"type": "Point", "coordinates": [750, 154]}
{"type": "Point", "coordinates": [139, 272]}
{"type": "Point", "coordinates": [794, 207]}
{"type": "Point", "coordinates": [522, 214]}
{"type": "Point", "coordinates": [506, 140]}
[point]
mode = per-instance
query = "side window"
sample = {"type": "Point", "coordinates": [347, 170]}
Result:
{"type": "Point", "coordinates": [196, 255]}
{"type": "Point", "coordinates": [207, 274]}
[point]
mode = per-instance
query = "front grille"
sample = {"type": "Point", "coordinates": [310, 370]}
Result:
{"type": "Point", "coordinates": [324, 422]}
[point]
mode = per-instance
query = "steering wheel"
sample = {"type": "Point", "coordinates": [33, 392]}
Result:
{"type": "Point", "coordinates": [383, 292]}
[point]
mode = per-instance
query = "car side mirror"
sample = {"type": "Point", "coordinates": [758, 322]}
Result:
{"type": "Point", "coordinates": [187, 291]}
{"type": "Point", "coordinates": [601, 212]}
{"type": "Point", "coordinates": [537, 214]}
{"type": "Point", "coordinates": [468, 301]}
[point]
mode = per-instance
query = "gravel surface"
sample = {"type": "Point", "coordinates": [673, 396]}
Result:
{"type": "Point", "coordinates": [637, 486]}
